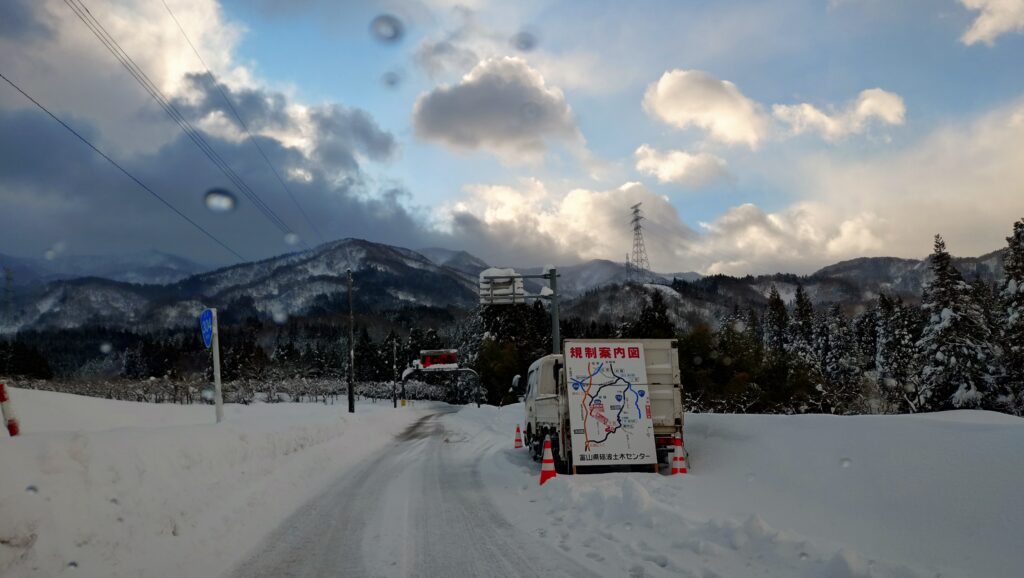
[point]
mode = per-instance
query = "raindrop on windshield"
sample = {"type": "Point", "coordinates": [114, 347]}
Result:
{"type": "Point", "coordinates": [32, 490]}
{"type": "Point", "coordinates": [219, 201]}
{"type": "Point", "coordinates": [697, 360]}
{"type": "Point", "coordinates": [391, 79]}
{"type": "Point", "coordinates": [804, 556]}
{"type": "Point", "coordinates": [530, 111]}
{"type": "Point", "coordinates": [845, 462]}
{"type": "Point", "coordinates": [291, 239]}
{"type": "Point", "coordinates": [523, 41]}
{"type": "Point", "coordinates": [106, 348]}
{"type": "Point", "coordinates": [387, 28]}
{"type": "Point", "coordinates": [280, 317]}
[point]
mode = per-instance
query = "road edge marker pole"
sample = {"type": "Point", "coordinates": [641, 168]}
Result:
{"type": "Point", "coordinates": [13, 427]}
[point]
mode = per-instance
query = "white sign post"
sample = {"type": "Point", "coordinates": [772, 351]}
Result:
{"type": "Point", "coordinates": [609, 404]}
{"type": "Point", "coordinates": [211, 339]}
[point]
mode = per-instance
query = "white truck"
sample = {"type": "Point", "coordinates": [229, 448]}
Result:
{"type": "Point", "coordinates": [548, 397]}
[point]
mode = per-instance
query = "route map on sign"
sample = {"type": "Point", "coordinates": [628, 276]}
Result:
{"type": "Point", "coordinates": [609, 405]}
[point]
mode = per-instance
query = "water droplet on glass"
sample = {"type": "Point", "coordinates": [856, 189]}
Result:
{"type": "Point", "coordinates": [291, 239]}
{"type": "Point", "coordinates": [280, 317]}
{"type": "Point", "coordinates": [106, 348]}
{"type": "Point", "coordinates": [804, 556]}
{"type": "Point", "coordinates": [726, 361]}
{"type": "Point", "coordinates": [387, 28]}
{"type": "Point", "coordinates": [530, 111]}
{"type": "Point", "coordinates": [32, 490]}
{"type": "Point", "coordinates": [523, 41]}
{"type": "Point", "coordinates": [845, 462]}
{"type": "Point", "coordinates": [697, 360]}
{"type": "Point", "coordinates": [207, 394]}
{"type": "Point", "coordinates": [114, 501]}
{"type": "Point", "coordinates": [750, 478]}
{"type": "Point", "coordinates": [72, 564]}
{"type": "Point", "coordinates": [391, 79]}
{"type": "Point", "coordinates": [219, 201]}
{"type": "Point", "coordinates": [50, 255]}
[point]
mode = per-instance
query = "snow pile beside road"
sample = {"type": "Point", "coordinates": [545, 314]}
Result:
{"type": "Point", "coordinates": [168, 493]}
{"type": "Point", "coordinates": [783, 496]}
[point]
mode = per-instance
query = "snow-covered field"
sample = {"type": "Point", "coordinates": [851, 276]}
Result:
{"type": "Point", "coordinates": [780, 496]}
{"type": "Point", "coordinates": [109, 488]}
{"type": "Point", "coordinates": [105, 488]}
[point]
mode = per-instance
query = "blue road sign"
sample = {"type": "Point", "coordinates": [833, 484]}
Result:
{"type": "Point", "coordinates": [206, 327]}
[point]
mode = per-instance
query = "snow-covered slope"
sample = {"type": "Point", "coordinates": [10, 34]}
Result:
{"type": "Point", "coordinates": [105, 488]}
{"type": "Point", "coordinates": [807, 496]}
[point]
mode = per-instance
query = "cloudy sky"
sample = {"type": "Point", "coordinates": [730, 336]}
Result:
{"type": "Point", "coordinates": [760, 136]}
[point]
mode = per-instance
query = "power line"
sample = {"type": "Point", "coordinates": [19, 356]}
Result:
{"type": "Point", "coordinates": [122, 169]}
{"type": "Point", "coordinates": [241, 122]}
{"type": "Point", "coordinates": [197, 138]}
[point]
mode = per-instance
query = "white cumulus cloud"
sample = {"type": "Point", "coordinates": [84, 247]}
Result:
{"type": "Point", "coordinates": [872, 104]}
{"type": "Point", "coordinates": [693, 98]}
{"type": "Point", "coordinates": [672, 166]}
{"type": "Point", "coordinates": [996, 17]}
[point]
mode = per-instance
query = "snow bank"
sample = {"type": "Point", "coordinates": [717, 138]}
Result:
{"type": "Point", "coordinates": [784, 496]}
{"type": "Point", "coordinates": [166, 492]}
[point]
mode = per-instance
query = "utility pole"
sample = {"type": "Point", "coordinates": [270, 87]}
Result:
{"type": "Point", "coordinates": [351, 349]}
{"type": "Point", "coordinates": [556, 336]}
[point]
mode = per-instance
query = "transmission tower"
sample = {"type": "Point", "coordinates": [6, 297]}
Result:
{"type": "Point", "coordinates": [640, 266]}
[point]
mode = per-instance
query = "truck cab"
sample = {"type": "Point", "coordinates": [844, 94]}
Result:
{"type": "Point", "coordinates": [543, 402]}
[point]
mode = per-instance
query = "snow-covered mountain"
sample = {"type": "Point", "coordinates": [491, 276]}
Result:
{"type": "Point", "coordinates": [151, 268]}
{"type": "Point", "coordinates": [578, 279]}
{"type": "Point", "coordinates": [305, 282]}
{"type": "Point", "coordinates": [458, 260]}
{"type": "Point", "coordinates": [908, 276]}
{"type": "Point", "coordinates": [313, 282]}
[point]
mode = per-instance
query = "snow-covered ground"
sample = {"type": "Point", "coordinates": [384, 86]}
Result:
{"type": "Point", "coordinates": [106, 488]}
{"type": "Point", "coordinates": [807, 496]}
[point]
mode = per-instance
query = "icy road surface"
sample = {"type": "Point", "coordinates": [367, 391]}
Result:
{"type": "Point", "coordinates": [419, 508]}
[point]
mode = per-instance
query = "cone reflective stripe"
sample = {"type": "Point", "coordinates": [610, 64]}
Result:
{"type": "Point", "coordinates": [519, 438]}
{"type": "Point", "coordinates": [547, 465]}
{"type": "Point", "coordinates": [8, 412]}
{"type": "Point", "coordinates": [678, 458]}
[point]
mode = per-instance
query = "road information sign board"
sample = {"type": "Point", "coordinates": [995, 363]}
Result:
{"type": "Point", "coordinates": [609, 405]}
{"type": "Point", "coordinates": [206, 327]}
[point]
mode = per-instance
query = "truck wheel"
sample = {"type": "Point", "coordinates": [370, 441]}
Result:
{"type": "Point", "coordinates": [561, 466]}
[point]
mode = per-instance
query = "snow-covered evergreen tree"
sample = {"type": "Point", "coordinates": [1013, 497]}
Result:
{"type": "Point", "coordinates": [800, 336]}
{"type": "Point", "coordinates": [775, 326]}
{"type": "Point", "coordinates": [897, 330]}
{"type": "Point", "coordinates": [835, 350]}
{"type": "Point", "coordinates": [955, 349]}
{"type": "Point", "coordinates": [1011, 297]}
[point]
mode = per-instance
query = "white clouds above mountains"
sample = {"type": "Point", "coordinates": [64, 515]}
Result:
{"type": "Point", "coordinates": [502, 106]}
{"type": "Point", "coordinates": [692, 98]}
{"type": "Point", "coordinates": [872, 104]}
{"type": "Point", "coordinates": [996, 17]}
{"type": "Point", "coordinates": [672, 166]}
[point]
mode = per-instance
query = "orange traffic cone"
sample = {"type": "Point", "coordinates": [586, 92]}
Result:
{"type": "Point", "coordinates": [547, 465]}
{"type": "Point", "coordinates": [519, 438]}
{"type": "Point", "coordinates": [678, 458]}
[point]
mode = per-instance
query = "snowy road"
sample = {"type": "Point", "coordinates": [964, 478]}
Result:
{"type": "Point", "coordinates": [418, 509]}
